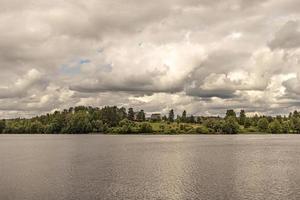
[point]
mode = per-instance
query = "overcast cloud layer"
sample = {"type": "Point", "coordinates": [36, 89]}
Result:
{"type": "Point", "coordinates": [203, 56]}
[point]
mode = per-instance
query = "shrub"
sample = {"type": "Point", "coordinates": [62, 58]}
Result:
{"type": "Point", "coordinates": [182, 127]}
{"type": "Point", "coordinates": [263, 124]}
{"type": "Point", "coordinates": [275, 127]}
{"type": "Point", "coordinates": [170, 131]}
{"type": "Point", "coordinates": [202, 130]}
{"type": "Point", "coordinates": [2, 125]}
{"type": "Point", "coordinates": [98, 126]}
{"type": "Point", "coordinates": [231, 126]}
{"type": "Point", "coordinates": [191, 131]}
{"type": "Point", "coordinates": [286, 127]}
{"type": "Point", "coordinates": [247, 123]}
{"type": "Point", "coordinates": [161, 128]}
{"type": "Point", "coordinates": [145, 128]}
{"type": "Point", "coordinates": [250, 130]}
{"type": "Point", "coordinates": [126, 122]}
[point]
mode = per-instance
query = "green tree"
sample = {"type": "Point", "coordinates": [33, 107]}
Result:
{"type": "Point", "coordinates": [122, 114]}
{"type": "Point", "coordinates": [230, 113]}
{"type": "Point", "coordinates": [254, 120]}
{"type": "Point", "coordinates": [78, 123]}
{"type": "Point", "coordinates": [248, 122]}
{"type": "Point", "coordinates": [286, 128]}
{"type": "Point", "coordinates": [171, 116]}
{"type": "Point", "coordinates": [146, 128]}
{"type": "Point", "coordinates": [263, 125]}
{"type": "Point", "coordinates": [275, 127]}
{"type": "Point", "coordinates": [2, 126]}
{"type": "Point", "coordinates": [112, 115]}
{"type": "Point", "coordinates": [36, 127]}
{"type": "Point", "coordinates": [141, 116]}
{"type": "Point", "coordinates": [178, 119]}
{"type": "Point", "coordinates": [216, 125]}
{"type": "Point", "coordinates": [191, 119]}
{"type": "Point", "coordinates": [231, 125]}
{"type": "Point", "coordinates": [126, 126]}
{"type": "Point", "coordinates": [130, 114]}
{"type": "Point", "coordinates": [296, 114]}
{"type": "Point", "coordinates": [242, 117]}
{"type": "Point", "coordinates": [202, 130]}
{"type": "Point", "coordinates": [57, 124]}
{"type": "Point", "coordinates": [199, 120]}
{"type": "Point", "coordinates": [98, 126]}
{"type": "Point", "coordinates": [296, 122]}
{"type": "Point", "coordinates": [183, 117]}
{"type": "Point", "coordinates": [164, 118]}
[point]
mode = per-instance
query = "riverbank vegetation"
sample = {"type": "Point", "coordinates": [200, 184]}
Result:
{"type": "Point", "coordinates": [114, 120]}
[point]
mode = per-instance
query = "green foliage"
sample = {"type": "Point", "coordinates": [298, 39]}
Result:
{"type": "Point", "coordinates": [145, 128]}
{"type": "Point", "coordinates": [141, 116]}
{"type": "Point", "coordinates": [36, 127]}
{"type": "Point", "coordinates": [112, 115]}
{"type": "Point", "coordinates": [286, 127]}
{"type": "Point", "coordinates": [231, 126]}
{"type": "Point", "coordinates": [263, 125]}
{"type": "Point", "coordinates": [191, 119]}
{"type": "Point", "coordinates": [126, 127]}
{"type": "Point", "coordinates": [16, 126]}
{"type": "Point", "coordinates": [2, 125]}
{"type": "Point", "coordinates": [215, 125]}
{"type": "Point", "coordinates": [171, 116]}
{"type": "Point", "coordinates": [185, 127]}
{"type": "Point", "coordinates": [250, 130]}
{"type": "Point", "coordinates": [164, 118]}
{"type": "Point", "coordinates": [78, 123]}
{"type": "Point", "coordinates": [296, 123]}
{"type": "Point", "coordinates": [108, 119]}
{"type": "Point", "coordinates": [183, 117]}
{"type": "Point", "coordinates": [191, 131]}
{"type": "Point", "coordinates": [247, 122]}
{"type": "Point", "coordinates": [242, 118]}
{"type": "Point", "coordinates": [98, 126]}
{"type": "Point", "coordinates": [202, 130]}
{"type": "Point", "coordinates": [199, 120]}
{"type": "Point", "coordinates": [254, 120]}
{"type": "Point", "coordinates": [170, 131]}
{"type": "Point", "coordinates": [162, 127]}
{"type": "Point", "coordinates": [230, 113]}
{"type": "Point", "coordinates": [130, 114]}
{"type": "Point", "coordinates": [275, 127]}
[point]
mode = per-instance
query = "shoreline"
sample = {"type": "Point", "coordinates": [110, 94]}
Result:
{"type": "Point", "coordinates": [145, 134]}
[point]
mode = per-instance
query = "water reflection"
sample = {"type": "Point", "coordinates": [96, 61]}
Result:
{"type": "Point", "coordinates": [149, 167]}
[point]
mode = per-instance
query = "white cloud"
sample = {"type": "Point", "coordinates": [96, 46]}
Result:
{"type": "Point", "coordinates": [203, 56]}
{"type": "Point", "coordinates": [30, 81]}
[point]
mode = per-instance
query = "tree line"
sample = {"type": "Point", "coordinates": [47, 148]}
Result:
{"type": "Point", "coordinates": [112, 119]}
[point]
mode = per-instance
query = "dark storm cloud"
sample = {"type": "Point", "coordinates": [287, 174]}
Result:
{"type": "Point", "coordinates": [224, 94]}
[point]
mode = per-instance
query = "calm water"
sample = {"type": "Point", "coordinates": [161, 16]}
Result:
{"type": "Point", "coordinates": [36, 167]}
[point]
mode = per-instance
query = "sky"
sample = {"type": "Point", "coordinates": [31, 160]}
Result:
{"type": "Point", "coordinates": [203, 56]}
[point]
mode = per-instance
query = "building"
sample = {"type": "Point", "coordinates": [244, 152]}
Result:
{"type": "Point", "coordinates": [155, 117]}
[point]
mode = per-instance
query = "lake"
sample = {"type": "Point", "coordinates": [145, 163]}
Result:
{"type": "Point", "coordinates": [35, 167]}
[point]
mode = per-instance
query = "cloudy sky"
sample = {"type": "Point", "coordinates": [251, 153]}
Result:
{"type": "Point", "coordinates": [200, 55]}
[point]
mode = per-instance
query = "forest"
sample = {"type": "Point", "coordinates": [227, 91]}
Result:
{"type": "Point", "coordinates": [115, 120]}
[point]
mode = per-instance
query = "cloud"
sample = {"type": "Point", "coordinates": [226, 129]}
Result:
{"type": "Point", "coordinates": [32, 80]}
{"type": "Point", "coordinates": [172, 54]}
{"type": "Point", "coordinates": [293, 85]}
{"type": "Point", "coordinates": [142, 68]}
{"type": "Point", "coordinates": [287, 37]}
